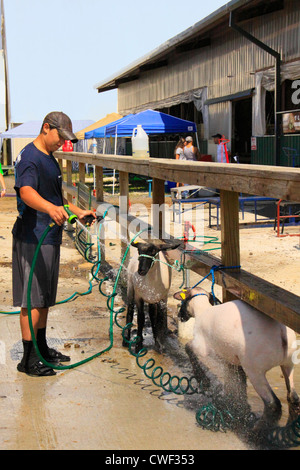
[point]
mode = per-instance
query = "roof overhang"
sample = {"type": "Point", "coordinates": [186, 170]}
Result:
{"type": "Point", "coordinates": [195, 37]}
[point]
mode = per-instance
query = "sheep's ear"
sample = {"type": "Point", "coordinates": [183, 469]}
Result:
{"type": "Point", "coordinates": [135, 244]}
{"type": "Point", "coordinates": [167, 247]}
{"type": "Point", "coordinates": [177, 295]}
{"type": "Point", "coordinates": [181, 295]}
{"type": "Point", "coordinates": [213, 300]}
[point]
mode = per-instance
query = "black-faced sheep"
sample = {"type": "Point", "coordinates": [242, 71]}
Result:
{"type": "Point", "coordinates": [149, 280]}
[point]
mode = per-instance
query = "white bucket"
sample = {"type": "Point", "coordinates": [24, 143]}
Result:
{"type": "Point", "coordinates": [94, 146]}
{"type": "Point", "coordinates": [140, 143]}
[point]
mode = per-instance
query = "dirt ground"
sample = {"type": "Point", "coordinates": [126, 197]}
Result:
{"type": "Point", "coordinates": [108, 403]}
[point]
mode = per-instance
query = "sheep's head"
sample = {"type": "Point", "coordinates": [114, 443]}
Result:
{"type": "Point", "coordinates": [147, 253]}
{"type": "Point", "coordinates": [185, 296]}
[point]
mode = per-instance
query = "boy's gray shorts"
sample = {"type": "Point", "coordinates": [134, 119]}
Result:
{"type": "Point", "coordinates": [45, 276]}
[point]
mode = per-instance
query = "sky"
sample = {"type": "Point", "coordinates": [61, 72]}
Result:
{"type": "Point", "coordinates": [58, 50]}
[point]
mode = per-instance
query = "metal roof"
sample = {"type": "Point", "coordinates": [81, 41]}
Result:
{"type": "Point", "coordinates": [194, 37]}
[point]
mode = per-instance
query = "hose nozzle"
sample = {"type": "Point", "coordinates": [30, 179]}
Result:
{"type": "Point", "coordinates": [72, 217]}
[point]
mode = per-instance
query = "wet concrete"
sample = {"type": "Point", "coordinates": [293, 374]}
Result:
{"type": "Point", "coordinates": [107, 403]}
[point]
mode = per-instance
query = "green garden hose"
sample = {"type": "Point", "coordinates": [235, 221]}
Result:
{"type": "Point", "coordinates": [56, 367]}
{"type": "Point", "coordinates": [209, 416]}
{"type": "Point", "coordinates": [84, 361]}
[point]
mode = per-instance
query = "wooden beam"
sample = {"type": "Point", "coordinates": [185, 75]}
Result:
{"type": "Point", "coordinates": [258, 180]}
{"type": "Point", "coordinates": [268, 298]}
{"type": "Point", "coordinates": [230, 236]}
{"type": "Point", "coordinates": [117, 162]}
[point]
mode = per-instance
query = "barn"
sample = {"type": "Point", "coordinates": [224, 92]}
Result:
{"type": "Point", "coordinates": [235, 72]}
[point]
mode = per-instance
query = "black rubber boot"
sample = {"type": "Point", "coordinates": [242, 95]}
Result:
{"type": "Point", "coordinates": [31, 364]}
{"type": "Point", "coordinates": [49, 354]}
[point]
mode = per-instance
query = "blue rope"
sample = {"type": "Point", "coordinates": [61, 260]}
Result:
{"type": "Point", "coordinates": [212, 274]}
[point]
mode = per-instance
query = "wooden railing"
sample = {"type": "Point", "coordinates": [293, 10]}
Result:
{"type": "Point", "coordinates": [231, 180]}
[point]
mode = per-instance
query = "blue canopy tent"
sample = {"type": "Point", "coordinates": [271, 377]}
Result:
{"type": "Point", "coordinates": [101, 131]}
{"type": "Point", "coordinates": [95, 133]}
{"type": "Point", "coordinates": [153, 122]}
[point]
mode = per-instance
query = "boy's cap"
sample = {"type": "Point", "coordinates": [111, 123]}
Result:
{"type": "Point", "coordinates": [189, 139]}
{"type": "Point", "coordinates": [62, 123]}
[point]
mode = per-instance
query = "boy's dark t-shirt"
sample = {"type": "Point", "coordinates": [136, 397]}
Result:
{"type": "Point", "coordinates": [42, 172]}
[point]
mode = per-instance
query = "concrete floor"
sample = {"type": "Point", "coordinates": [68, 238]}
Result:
{"type": "Point", "coordinates": [106, 404]}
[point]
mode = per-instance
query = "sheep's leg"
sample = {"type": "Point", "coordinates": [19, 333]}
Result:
{"type": "Point", "coordinates": [161, 325]}
{"type": "Point", "coordinates": [292, 396]}
{"type": "Point", "coordinates": [129, 319]}
{"type": "Point", "coordinates": [201, 372]}
{"type": "Point", "coordinates": [140, 325]}
{"type": "Point", "coordinates": [235, 389]}
{"type": "Point", "coordinates": [235, 382]}
{"type": "Point", "coordinates": [153, 318]}
{"type": "Point", "coordinates": [272, 405]}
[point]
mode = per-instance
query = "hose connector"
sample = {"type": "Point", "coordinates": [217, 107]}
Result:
{"type": "Point", "coordinates": [72, 217]}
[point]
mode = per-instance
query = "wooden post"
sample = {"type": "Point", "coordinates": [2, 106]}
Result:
{"type": "Point", "coordinates": [69, 179]}
{"type": "Point", "coordinates": [99, 183]}
{"type": "Point", "coordinates": [100, 198]}
{"type": "Point", "coordinates": [124, 205]}
{"type": "Point", "coordinates": [60, 162]}
{"type": "Point", "coordinates": [230, 240]}
{"type": "Point", "coordinates": [158, 198]}
{"type": "Point", "coordinates": [82, 172]}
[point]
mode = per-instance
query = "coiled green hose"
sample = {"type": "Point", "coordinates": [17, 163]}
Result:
{"type": "Point", "coordinates": [209, 416]}
{"type": "Point", "coordinates": [285, 437]}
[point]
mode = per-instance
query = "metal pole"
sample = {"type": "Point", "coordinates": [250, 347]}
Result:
{"type": "Point", "coordinates": [277, 94]}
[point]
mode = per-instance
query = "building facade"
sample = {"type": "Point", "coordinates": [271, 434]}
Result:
{"type": "Point", "coordinates": [225, 82]}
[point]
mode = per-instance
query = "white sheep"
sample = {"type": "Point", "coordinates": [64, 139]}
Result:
{"type": "Point", "coordinates": [149, 280]}
{"type": "Point", "coordinates": [241, 336]}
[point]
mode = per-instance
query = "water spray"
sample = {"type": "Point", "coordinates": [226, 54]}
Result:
{"type": "Point", "coordinates": [208, 417]}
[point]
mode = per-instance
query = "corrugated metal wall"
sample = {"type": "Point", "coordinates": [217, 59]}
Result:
{"type": "Point", "coordinates": [225, 67]}
{"type": "Point", "coordinates": [265, 151]}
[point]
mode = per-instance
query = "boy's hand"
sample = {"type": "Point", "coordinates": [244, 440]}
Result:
{"type": "Point", "coordinates": [58, 214]}
{"type": "Point", "coordinates": [87, 217]}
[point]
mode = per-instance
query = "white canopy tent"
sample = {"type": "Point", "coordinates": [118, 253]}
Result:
{"type": "Point", "coordinates": [30, 130]}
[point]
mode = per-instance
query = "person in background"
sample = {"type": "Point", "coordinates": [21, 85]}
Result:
{"type": "Point", "coordinates": [179, 154]}
{"type": "Point", "coordinates": [221, 155]}
{"type": "Point", "coordinates": [190, 152]}
{"type": "Point", "coordinates": [179, 149]}
{"type": "Point", "coordinates": [40, 201]}
{"type": "Point", "coordinates": [3, 191]}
